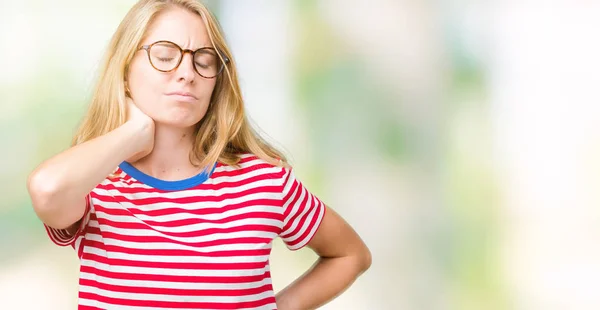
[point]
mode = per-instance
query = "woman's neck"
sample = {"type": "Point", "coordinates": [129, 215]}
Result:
{"type": "Point", "coordinates": [170, 157]}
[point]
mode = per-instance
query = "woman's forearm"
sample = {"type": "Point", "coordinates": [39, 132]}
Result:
{"type": "Point", "coordinates": [59, 185]}
{"type": "Point", "coordinates": [325, 280]}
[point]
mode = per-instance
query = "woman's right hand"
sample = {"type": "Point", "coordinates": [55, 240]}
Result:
{"type": "Point", "coordinates": [145, 124]}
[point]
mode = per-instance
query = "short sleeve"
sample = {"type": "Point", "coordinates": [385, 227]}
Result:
{"type": "Point", "coordinates": [63, 237]}
{"type": "Point", "coordinates": [302, 213]}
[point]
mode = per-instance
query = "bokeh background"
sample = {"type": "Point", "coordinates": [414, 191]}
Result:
{"type": "Point", "coordinates": [460, 138]}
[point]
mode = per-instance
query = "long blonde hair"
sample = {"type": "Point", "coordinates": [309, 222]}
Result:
{"type": "Point", "coordinates": [223, 133]}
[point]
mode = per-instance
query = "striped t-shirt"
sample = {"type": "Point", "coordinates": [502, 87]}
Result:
{"type": "Point", "coordinates": [198, 243]}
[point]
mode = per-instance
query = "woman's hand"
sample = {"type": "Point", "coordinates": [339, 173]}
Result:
{"type": "Point", "coordinates": [145, 124]}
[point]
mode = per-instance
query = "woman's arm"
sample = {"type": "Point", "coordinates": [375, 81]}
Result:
{"type": "Point", "coordinates": [343, 257]}
{"type": "Point", "coordinates": [58, 187]}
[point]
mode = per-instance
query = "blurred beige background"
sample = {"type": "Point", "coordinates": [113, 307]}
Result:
{"type": "Point", "coordinates": [460, 138]}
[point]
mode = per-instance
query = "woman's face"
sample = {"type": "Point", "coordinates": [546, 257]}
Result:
{"type": "Point", "coordinates": [159, 94]}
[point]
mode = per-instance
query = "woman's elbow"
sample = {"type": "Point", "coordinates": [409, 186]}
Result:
{"type": "Point", "coordinates": [365, 259]}
{"type": "Point", "coordinates": [41, 190]}
{"type": "Point", "coordinates": [43, 193]}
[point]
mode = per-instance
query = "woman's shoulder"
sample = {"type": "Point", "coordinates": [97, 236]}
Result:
{"type": "Point", "coordinates": [116, 179]}
{"type": "Point", "coordinates": [247, 160]}
{"type": "Point", "coordinates": [252, 164]}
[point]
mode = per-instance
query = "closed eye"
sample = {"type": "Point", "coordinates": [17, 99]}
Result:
{"type": "Point", "coordinates": [165, 59]}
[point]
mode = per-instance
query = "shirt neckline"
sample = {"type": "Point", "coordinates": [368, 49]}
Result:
{"type": "Point", "coordinates": [163, 184]}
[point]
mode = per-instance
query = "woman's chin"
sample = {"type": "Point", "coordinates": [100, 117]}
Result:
{"type": "Point", "coordinates": [179, 116]}
{"type": "Point", "coordinates": [178, 122]}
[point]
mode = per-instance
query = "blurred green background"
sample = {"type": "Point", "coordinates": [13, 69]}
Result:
{"type": "Point", "coordinates": [459, 138]}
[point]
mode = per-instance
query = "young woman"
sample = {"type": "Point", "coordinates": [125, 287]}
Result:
{"type": "Point", "coordinates": [168, 196]}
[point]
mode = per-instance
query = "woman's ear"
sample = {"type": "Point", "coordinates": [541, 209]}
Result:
{"type": "Point", "coordinates": [127, 92]}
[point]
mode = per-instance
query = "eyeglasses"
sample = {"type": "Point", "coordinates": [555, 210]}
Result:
{"type": "Point", "coordinates": [166, 56]}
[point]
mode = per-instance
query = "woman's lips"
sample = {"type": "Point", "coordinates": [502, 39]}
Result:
{"type": "Point", "coordinates": [183, 96]}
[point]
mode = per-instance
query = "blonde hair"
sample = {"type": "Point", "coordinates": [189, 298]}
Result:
{"type": "Point", "coordinates": [223, 133]}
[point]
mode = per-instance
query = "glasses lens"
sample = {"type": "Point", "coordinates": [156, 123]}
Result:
{"type": "Point", "coordinates": [164, 56]}
{"type": "Point", "coordinates": [207, 63]}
